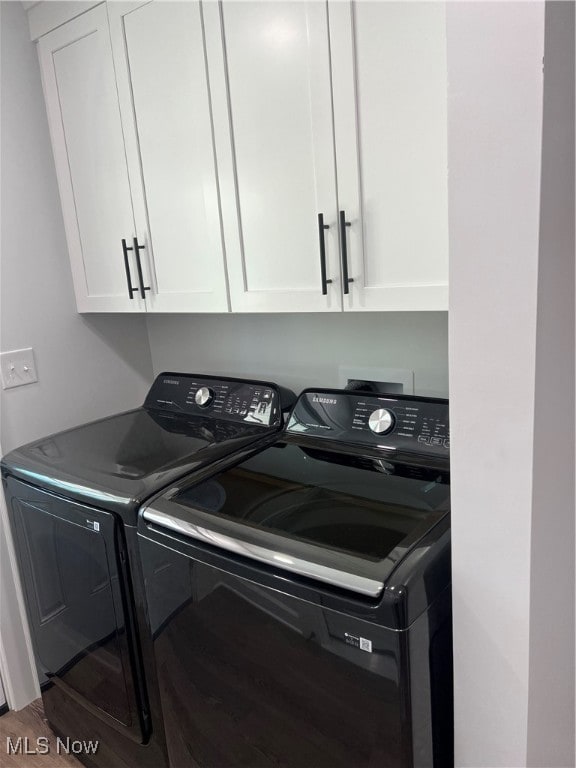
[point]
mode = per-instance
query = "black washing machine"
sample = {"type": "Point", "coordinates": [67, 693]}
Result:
{"type": "Point", "coordinates": [300, 598]}
{"type": "Point", "coordinates": [73, 501]}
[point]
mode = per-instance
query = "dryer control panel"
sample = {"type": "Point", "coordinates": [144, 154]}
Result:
{"type": "Point", "coordinates": [251, 402]}
{"type": "Point", "coordinates": [393, 422]}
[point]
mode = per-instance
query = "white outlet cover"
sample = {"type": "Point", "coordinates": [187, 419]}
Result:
{"type": "Point", "coordinates": [18, 368]}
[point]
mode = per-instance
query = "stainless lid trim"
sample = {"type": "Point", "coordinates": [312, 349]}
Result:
{"type": "Point", "coordinates": [332, 576]}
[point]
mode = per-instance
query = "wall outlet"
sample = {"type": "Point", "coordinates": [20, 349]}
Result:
{"type": "Point", "coordinates": [393, 380]}
{"type": "Point", "coordinates": [18, 368]}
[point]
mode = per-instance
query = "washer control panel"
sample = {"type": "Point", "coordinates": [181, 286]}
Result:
{"type": "Point", "coordinates": [393, 422]}
{"type": "Point", "coordinates": [241, 401]}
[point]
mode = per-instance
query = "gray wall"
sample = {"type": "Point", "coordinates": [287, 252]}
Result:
{"type": "Point", "coordinates": [551, 713]}
{"type": "Point", "coordinates": [303, 350]}
{"type": "Point", "coordinates": [88, 366]}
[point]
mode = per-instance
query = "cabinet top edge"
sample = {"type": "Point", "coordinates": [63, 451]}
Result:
{"type": "Point", "coordinates": [46, 15]}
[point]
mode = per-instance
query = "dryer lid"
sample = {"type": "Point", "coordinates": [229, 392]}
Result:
{"type": "Point", "coordinates": [118, 462]}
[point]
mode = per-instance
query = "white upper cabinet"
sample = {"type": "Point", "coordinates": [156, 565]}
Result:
{"type": "Point", "coordinates": [253, 156]}
{"type": "Point", "coordinates": [390, 87]}
{"type": "Point", "coordinates": [269, 67]}
{"type": "Point", "coordinates": [86, 132]}
{"type": "Point", "coordinates": [274, 69]}
{"type": "Point", "coordinates": [159, 53]}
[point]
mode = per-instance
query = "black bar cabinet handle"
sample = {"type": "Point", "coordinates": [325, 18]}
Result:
{"type": "Point", "coordinates": [137, 249]}
{"type": "Point", "coordinates": [125, 249]}
{"type": "Point", "coordinates": [321, 228]}
{"type": "Point", "coordinates": [345, 279]}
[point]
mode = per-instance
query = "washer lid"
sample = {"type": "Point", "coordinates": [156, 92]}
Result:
{"type": "Point", "coordinates": [340, 518]}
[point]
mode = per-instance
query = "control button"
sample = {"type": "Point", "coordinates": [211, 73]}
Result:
{"type": "Point", "coordinates": [423, 439]}
{"type": "Point", "coordinates": [447, 443]}
{"type": "Point", "coordinates": [436, 441]}
{"type": "Point", "coordinates": [381, 421]}
{"type": "Point", "coordinates": [204, 397]}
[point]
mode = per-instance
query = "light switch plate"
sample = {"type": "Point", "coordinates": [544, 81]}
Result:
{"type": "Point", "coordinates": [18, 368]}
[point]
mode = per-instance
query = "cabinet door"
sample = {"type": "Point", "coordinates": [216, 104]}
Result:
{"type": "Point", "coordinates": [389, 81]}
{"type": "Point", "coordinates": [273, 125]}
{"type": "Point", "coordinates": [160, 60]}
{"type": "Point", "coordinates": [84, 118]}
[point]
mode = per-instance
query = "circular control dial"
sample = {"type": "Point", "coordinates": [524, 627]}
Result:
{"type": "Point", "coordinates": [381, 421]}
{"type": "Point", "coordinates": [204, 397]}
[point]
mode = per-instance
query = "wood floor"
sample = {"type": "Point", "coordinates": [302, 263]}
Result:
{"type": "Point", "coordinates": [29, 723]}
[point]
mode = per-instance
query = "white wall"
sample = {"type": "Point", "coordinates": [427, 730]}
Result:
{"type": "Point", "coordinates": [304, 350]}
{"type": "Point", "coordinates": [511, 386]}
{"type": "Point", "coordinates": [88, 366]}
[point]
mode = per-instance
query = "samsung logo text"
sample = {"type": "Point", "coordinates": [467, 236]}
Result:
{"type": "Point", "coordinates": [324, 400]}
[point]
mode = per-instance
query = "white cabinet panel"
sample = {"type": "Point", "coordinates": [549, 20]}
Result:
{"type": "Point", "coordinates": [84, 118]}
{"type": "Point", "coordinates": [275, 159]}
{"type": "Point", "coordinates": [389, 80]}
{"type": "Point", "coordinates": [217, 133]}
{"type": "Point", "coordinates": [161, 69]}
